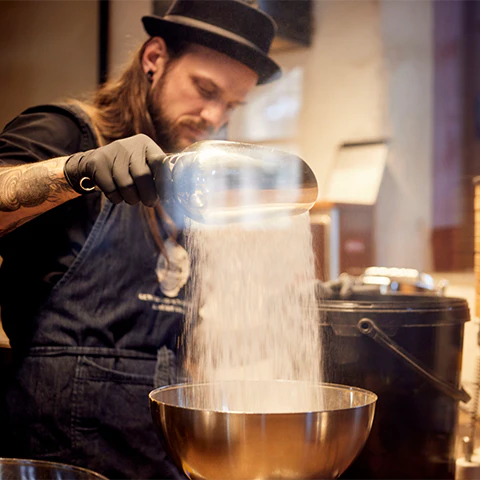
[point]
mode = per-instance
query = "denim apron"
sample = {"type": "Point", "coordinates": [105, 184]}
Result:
{"type": "Point", "coordinates": [104, 339]}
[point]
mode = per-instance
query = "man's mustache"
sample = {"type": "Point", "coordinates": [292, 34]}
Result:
{"type": "Point", "coordinates": [198, 124]}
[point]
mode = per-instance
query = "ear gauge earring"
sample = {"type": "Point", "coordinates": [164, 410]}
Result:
{"type": "Point", "coordinates": [150, 76]}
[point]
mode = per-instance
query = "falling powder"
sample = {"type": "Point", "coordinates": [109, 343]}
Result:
{"type": "Point", "coordinates": [252, 314]}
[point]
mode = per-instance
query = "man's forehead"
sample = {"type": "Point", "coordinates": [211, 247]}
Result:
{"type": "Point", "coordinates": [217, 69]}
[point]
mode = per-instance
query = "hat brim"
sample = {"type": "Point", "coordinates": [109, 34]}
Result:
{"type": "Point", "coordinates": [226, 43]}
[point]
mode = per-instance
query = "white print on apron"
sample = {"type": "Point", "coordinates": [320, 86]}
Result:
{"type": "Point", "coordinates": [172, 274]}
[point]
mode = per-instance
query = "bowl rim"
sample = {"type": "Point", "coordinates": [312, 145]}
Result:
{"type": "Point", "coordinates": [372, 397]}
{"type": "Point", "coordinates": [48, 463]}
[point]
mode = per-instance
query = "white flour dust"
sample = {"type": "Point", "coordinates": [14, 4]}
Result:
{"type": "Point", "coordinates": [252, 313]}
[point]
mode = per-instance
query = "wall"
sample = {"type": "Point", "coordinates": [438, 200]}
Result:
{"type": "Point", "coordinates": [405, 202]}
{"type": "Point", "coordinates": [449, 138]}
{"type": "Point", "coordinates": [126, 32]}
{"type": "Point", "coordinates": [48, 51]}
{"type": "Point", "coordinates": [49, 48]}
{"type": "Point", "coordinates": [343, 81]}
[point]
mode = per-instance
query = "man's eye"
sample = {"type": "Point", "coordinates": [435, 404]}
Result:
{"type": "Point", "coordinates": [206, 93]}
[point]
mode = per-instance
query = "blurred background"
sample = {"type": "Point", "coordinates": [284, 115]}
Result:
{"type": "Point", "coordinates": [381, 98]}
{"type": "Point", "coordinates": [355, 72]}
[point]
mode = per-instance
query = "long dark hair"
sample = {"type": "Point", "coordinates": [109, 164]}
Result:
{"type": "Point", "coordinates": [119, 109]}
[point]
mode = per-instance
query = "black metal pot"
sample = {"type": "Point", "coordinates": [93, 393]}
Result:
{"type": "Point", "coordinates": [408, 350]}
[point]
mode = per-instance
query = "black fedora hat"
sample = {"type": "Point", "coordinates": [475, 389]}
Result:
{"type": "Point", "coordinates": [229, 26]}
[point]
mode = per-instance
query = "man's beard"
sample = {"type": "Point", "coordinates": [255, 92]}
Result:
{"type": "Point", "coordinates": [167, 134]}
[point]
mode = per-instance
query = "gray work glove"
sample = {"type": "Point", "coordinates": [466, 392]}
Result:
{"type": "Point", "coordinates": [123, 170]}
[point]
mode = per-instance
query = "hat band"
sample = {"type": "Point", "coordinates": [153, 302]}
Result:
{"type": "Point", "coordinates": [211, 28]}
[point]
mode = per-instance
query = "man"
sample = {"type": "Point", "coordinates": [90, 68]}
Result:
{"type": "Point", "coordinates": [88, 303]}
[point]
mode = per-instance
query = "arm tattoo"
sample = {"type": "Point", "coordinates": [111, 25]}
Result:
{"type": "Point", "coordinates": [29, 187]}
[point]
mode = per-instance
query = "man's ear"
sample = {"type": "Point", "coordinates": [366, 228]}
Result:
{"type": "Point", "coordinates": [155, 57]}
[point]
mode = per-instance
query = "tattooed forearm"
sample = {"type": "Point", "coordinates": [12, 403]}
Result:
{"type": "Point", "coordinates": [30, 186]}
{"type": "Point", "coordinates": [27, 191]}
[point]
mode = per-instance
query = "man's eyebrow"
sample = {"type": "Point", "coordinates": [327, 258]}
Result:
{"type": "Point", "coordinates": [210, 83]}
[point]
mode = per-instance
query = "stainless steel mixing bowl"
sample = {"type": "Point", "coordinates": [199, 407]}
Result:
{"type": "Point", "coordinates": [25, 469]}
{"type": "Point", "coordinates": [308, 430]}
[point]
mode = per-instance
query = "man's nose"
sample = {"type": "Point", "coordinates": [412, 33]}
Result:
{"type": "Point", "coordinates": [214, 114]}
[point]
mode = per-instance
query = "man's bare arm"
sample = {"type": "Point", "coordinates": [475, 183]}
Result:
{"type": "Point", "coordinates": [123, 170]}
{"type": "Point", "coordinates": [27, 191]}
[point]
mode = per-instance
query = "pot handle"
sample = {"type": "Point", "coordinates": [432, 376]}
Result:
{"type": "Point", "coordinates": [367, 327]}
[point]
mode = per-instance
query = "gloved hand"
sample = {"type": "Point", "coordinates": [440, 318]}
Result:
{"type": "Point", "coordinates": [125, 170]}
